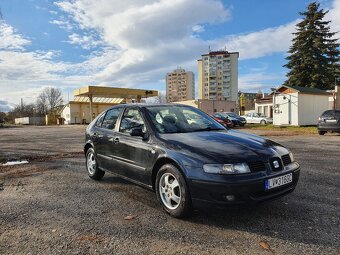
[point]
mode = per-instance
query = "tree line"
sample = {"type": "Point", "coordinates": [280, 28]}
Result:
{"type": "Point", "coordinates": [48, 101]}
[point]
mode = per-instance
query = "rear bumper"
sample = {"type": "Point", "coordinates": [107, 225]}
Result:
{"type": "Point", "coordinates": [335, 128]}
{"type": "Point", "coordinates": [205, 193]}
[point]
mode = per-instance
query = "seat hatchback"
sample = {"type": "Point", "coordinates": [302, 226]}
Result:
{"type": "Point", "coordinates": [187, 157]}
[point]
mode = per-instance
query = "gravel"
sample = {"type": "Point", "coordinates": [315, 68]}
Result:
{"type": "Point", "coordinates": [50, 206]}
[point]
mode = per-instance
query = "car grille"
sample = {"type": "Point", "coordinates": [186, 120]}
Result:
{"type": "Point", "coordinates": [257, 166]}
{"type": "Point", "coordinates": [286, 160]}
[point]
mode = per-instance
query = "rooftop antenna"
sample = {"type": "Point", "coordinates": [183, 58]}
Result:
{"type": "Point", "coordinates": [209, 49]}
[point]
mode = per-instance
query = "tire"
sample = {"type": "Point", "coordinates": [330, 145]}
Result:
{"type": "Point", "coordinates": [172, 191]}
{"type": "Point", "coordinates": [321, 132]}
{"type": "Point", "coordinates": [92, 165]}
{"type": "Point", "coordinates": [263, 122]}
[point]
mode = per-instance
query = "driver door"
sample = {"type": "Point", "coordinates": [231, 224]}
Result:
{"type": "Point", "coordinates": [133, 154]}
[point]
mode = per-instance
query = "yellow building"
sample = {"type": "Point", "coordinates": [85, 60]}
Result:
{"type": "Point", "coordinates": [90, 101]}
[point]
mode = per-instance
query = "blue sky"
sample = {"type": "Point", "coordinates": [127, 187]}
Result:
{"type": "Point", "coordinates": [74, 43]}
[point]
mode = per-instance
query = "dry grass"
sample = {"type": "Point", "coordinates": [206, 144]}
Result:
{"type": "Point", "coordinates": [311, 130]}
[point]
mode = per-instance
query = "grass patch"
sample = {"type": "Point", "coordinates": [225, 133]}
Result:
{"type": "Point", "coordinates": [9, 125]}
{"type": "Point", "coordinates": [293, 129]}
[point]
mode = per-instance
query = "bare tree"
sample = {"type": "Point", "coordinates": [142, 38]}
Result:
{"type": "Point", "coordinates": [41, 104]}
{"type": "Point", "coordinates": [49, 99]}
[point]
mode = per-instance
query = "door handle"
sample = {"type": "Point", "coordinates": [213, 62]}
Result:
{"type": "Point", "coordinates": [114, 140]}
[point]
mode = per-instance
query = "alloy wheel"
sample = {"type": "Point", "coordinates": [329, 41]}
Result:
{"type": "Point", "coordinates": [170, 191]}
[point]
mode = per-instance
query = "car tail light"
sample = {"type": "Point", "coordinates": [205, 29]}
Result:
{"type": "Point", "coordinates": [319, 119]}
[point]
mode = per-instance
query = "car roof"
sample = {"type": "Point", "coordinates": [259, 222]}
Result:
{"type": "Point", "coordinates": [142, 105]}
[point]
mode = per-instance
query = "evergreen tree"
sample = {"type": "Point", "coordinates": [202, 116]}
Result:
{"type": "Point", "coordinates": [314, 54]}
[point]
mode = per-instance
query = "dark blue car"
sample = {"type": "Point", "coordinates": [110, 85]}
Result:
{"type": "Point", "coordinates": [187, 162]}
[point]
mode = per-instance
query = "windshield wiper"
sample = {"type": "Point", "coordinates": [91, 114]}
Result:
{"type": "Point", "coordinates": [207, 129]}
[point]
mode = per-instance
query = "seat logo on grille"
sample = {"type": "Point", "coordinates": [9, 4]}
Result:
{"type": "Point", "coordinates": [276, 164]}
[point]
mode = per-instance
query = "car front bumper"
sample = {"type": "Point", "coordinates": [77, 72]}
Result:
{"type": "Point", "coordinates": [206, 193]}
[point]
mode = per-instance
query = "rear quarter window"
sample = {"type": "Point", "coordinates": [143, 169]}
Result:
{"type": "Point", "coordinates": [100, 120]}
{"type": "Point", "coordinates": [329, 113]}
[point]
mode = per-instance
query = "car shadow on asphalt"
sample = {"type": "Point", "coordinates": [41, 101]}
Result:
{"type": "Point", "coordinates": [289, 218]}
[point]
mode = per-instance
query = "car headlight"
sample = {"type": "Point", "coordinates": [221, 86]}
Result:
{"type": "Point", "coordinates": [291, 156]}
{"type": "Point", "coordinates": [240, 168]}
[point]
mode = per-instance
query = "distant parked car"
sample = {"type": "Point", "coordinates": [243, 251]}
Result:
{"type": "Point", "coordinates": [223, 119]}
{"type": "Point", "coordinates": [329, 121]}
{"type": "Point", "coordinates": [236, 119]}
{"type": "Point", "coordinates": [255, 118]}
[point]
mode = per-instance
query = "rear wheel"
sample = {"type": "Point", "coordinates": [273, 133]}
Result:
{"type": "Point", "coordinates": [172, 191]}
{"type": "Point", "coordinates": [263, 122]}
{"type": "Point", "coordinates": [321, 132]}
{"type": "Point", "coordinates": [92, 166]}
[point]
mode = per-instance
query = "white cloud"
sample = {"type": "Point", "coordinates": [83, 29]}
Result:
{"type": "Point", "coordinates": [5, 106]}
{"type": "Point", "coordinates": [260, 43]}
{"type": "Point", "coordinates": [255, 81]}
{"type": "Point", "coordinates": [63, 24]}
{"type": "Point", "coordinates": [86, 41]}
{"type": "Point", "coordinates": [133, 43]}
{"type": "Point", "coordinates": [9, 39]}
{"type": "Point", "coordinates": [198, 29]}
{"type": "Point", "coordinates": [334, 16]}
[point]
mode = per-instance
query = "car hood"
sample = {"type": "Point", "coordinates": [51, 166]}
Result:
{"type": "Point", "coordinates": [226, 146]}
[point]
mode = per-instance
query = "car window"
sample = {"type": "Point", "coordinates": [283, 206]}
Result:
{"type": "Point", "coordinates": [180, 119]}
{"type": "Point", "coordinates": [111, 117]}
{"type": "Point", "coordinates": [329, 113]}
{"type": "Point", "coordinates": [100, 120]}
{"type": "Point", "coordinates": [131, 119]}
{"type": "Point", "coordinates": [337, 113]}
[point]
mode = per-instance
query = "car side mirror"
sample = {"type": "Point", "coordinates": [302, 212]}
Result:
{"type": "Point", "coordinates": [138, 131]}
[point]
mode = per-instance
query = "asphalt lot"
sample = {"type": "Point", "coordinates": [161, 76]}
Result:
{"type": "Point", "coordinates": [50, 206]}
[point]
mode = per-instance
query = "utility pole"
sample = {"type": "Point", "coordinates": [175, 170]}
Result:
{"type": "Point", "coordinates": [22, 105]}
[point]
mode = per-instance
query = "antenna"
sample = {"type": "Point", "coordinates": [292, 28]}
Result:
{"type": "Point", "coordinates": [209, 49]}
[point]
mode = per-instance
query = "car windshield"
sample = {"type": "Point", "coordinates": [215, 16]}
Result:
{"type": "Point", "coordinates": [231, 114]}
{"type": "Point", "coordinates": [181, 119]}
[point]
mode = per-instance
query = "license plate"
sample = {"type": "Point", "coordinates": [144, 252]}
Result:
{"type": "Point", "coordinates": [332, 121]}
{"type": "Point", "coordinates": [279, 181]}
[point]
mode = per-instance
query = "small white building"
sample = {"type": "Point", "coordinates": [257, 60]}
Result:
{"type": "Point", "coordinates": [299, 106]}
{"type": "Point", "coordinates": [38, 121]}
{"type": "Point", "coordinates": [264, 105]}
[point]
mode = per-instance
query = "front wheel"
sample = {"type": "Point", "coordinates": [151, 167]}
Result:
{"type": "Point", "coordinates": [263, 122]}
{"type": "Point", "coordinates": [92, 166]}
{"type": "Point", "coordinates": [321, 132]}
{"type": "Point", "coordinates": [172, 191]}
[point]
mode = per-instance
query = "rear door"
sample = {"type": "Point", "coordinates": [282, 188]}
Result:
{"type": "Point", "coordinates": [107, 136]}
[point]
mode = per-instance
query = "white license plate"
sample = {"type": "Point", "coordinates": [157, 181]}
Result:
{"type": "Point", "coordinates": [279, 181]}
{"type": "Point", "coordinates": [332, 121]}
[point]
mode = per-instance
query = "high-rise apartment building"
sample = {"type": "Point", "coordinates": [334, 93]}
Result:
{"type": "Point", "coordinates": [218, 76]}
{"type": "Point", "coordinates": [180, 85]}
